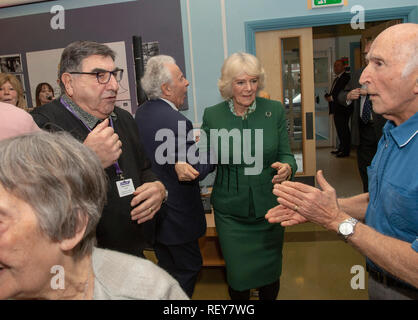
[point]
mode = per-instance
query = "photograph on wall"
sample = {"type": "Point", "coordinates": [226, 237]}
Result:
{"type": "Point", "coordinates": [11, 63]}
{"type": "Point", "coordinates": [150, 49]}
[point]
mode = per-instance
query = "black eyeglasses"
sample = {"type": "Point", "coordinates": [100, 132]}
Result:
{"type": "Point", "coordinates": [104, 76]}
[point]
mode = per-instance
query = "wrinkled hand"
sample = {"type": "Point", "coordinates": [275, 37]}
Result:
{"type": "Point", "coordinates": [354, 94]}
{"type": "Point", "coordinates": [105, 143]}
{"type": "Point", "coordinates": [284, 171]}
{"type": "Point", "coordinates": [149, 196]}
{"type": "Point", "coordinates": [285, 216]}
{"type": "Point", "coordinates": [318, 206]}
{"type": "Point", "coordinates": [185, 172]}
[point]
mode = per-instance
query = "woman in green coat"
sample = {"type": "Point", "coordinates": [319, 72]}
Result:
{"type": "Point", "coordinates": [249, 136]}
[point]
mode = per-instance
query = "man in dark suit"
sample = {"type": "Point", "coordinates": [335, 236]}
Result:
{"type": "Point", "coordinates": [341, 112]}
{"type": "Point", "coordinates": [181, 221]}
{"type": "Point", "coordinates": [366, 125]}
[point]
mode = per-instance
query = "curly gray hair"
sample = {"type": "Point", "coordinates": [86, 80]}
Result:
{"type": "Point", "coordinates": [61, 179]}
{"type": "Point", "coordinates": [156, 74]}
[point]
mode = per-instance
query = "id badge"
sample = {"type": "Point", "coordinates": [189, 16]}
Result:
{"type": "Point", "coordinates": [125, 187]}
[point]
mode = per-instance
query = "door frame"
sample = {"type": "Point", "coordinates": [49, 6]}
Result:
{"type": "Point", "coordinates": [407, 14]}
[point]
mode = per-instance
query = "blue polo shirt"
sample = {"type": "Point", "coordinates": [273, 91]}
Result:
{"type": "Point", "coordinates": [393, 184]}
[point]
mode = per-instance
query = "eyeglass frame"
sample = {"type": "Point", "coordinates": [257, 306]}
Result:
{"type": "Point", "coordinates": [102, 71]}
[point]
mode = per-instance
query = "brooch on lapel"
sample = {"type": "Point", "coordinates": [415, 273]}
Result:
{"type": "Point", "coordinates": [268, 114]}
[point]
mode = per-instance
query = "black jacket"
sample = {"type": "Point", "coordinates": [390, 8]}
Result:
{"type": "Point", "coordinates": [335, 106]}
{"type": "Point", "coordinates": [115, 230]}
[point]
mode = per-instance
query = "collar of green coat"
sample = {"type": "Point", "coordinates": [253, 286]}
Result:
{"type": "Point", "coordinates": [250, 109]}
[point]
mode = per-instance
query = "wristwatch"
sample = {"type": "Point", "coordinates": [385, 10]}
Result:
{"type": "Point", "coordinates": [346, 228]}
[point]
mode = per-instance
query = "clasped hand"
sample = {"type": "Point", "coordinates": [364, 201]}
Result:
{"type": "Point", "coordinates": [300, 203]}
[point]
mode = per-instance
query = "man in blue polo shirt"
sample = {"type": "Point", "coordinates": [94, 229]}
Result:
{"type": "Point", "coordinates": [389, 236]}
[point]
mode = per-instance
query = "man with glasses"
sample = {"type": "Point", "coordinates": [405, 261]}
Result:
{"type": "Point", "coordinates": [86, 109]}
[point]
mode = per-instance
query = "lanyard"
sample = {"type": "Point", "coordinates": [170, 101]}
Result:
{"type": "Point", "coordinates": [67, 106]}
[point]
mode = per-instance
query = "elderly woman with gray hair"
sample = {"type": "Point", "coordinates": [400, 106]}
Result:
{"type": "Point", "coordinates": [50, 202]}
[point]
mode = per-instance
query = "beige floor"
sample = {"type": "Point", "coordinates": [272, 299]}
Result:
{"type": "Point", "coordinates": [316, 263]}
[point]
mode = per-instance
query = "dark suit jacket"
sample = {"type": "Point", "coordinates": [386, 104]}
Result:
{"type": "Point", "coordinates": [115, 230]}
{"type": "Point", "coordinates": [182, 219]}
{"type": "Point", "coordinates": [335, 106]}
{"type": "Point", "coordinates": [342, 99]}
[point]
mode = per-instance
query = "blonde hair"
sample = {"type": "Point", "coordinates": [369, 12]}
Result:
{"type": "Point", "coordinates": [7, 77]}
{"type": "Point", "coordinates": [235, 65]}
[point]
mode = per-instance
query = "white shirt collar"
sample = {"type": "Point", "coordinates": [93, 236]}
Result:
{"type": "Point", "coordinates": [170, 103]}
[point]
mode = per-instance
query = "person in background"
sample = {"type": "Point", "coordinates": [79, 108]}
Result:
{"type": "Point", "coordinates": [11, 91]}
{"type": "Point", "coordinates": [44, 93]}
{"type": "Point", "coordinates": [50, 203]}
{"type": "Point", "coordinates": [340, 112]}
{"type": "Point", "coordinates": [387, 232]}
{"type": "Point", "coordinates": [18, 121]}
{"type": "Point", "coordinates": [252, 247]}
{"type": "Point", "coordinates": [89, 83]}
{"type": "Point", "coordinates": [365, 123]}
{"type": "Point", "coordinates": [181, 221]}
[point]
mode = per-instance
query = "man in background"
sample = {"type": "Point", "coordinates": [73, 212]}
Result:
{"type": "Point", "coordinates": [366, 125]}
{"type": "Point", "coordinates": [341, 112]}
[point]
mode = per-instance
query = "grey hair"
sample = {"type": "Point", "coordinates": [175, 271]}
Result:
{"type": "Point", "coordinates": [410, 50]}
{"type": "Point", "coordinates": [156, 74]}
{"type": "Point", "coordinates": [236, 64]}
{"type": "Point", "coordinates": [61, 179]}
{"type": "Point", "coordinates": [74, 54]}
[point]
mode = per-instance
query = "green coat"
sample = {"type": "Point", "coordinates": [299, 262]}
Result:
{"type": "Point", "coordinates": [251, 246]}
{"type": "Point", "coordinates": [232, 186]}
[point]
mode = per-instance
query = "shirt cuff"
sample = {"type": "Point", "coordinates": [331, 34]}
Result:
{"type": "Point", "coordinates": [415, 245]}
{"type": "Point", "coordinates": [348, 102]}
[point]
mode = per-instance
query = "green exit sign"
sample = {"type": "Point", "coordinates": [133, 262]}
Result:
{"type": "Point", "coordinates": [326, 3]}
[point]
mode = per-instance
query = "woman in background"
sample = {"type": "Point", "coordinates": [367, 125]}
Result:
{"type": "Point", "coordinates": [11, 91]}
{"type": "Point", "coordinates": [252, 247]}
{"type": "Point", "coordinates": [44, 93]}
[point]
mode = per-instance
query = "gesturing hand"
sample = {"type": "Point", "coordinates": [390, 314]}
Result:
{"type": "Point", "coordinates": [285, 216]}
{"type": "Point", "coordinates": [105, 143]}
{"type": "Point", "coordinates": [284, 171]}
{"type": "Point", "coordinates": [185, 172]}
{"type": "Point", "coordinates": [318, 206]}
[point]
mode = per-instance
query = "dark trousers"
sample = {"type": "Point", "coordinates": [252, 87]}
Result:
{"type": "Point", "coordinates": [182, 261]}
{"type": "Point", "coordinates": [366, 150]}
{"type": "Point", "coordinates": [343, 131]}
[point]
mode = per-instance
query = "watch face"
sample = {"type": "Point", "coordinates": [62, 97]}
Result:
{"type": "Point", "coordinates": [346, 228]}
